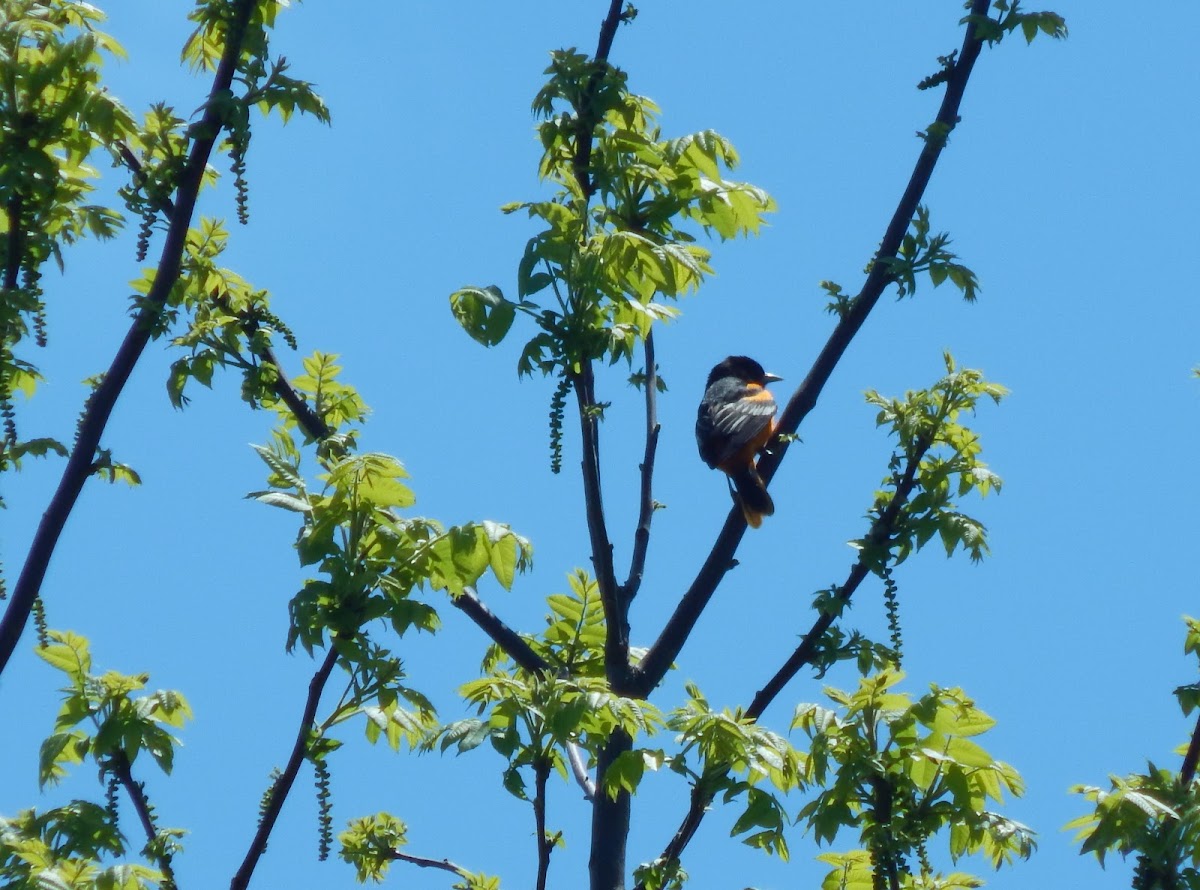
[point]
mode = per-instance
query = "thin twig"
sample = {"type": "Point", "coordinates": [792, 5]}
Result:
{"type": "Point", "coordinates": [163, 204]}
{"type": "Point", "coordinates": [880, 533]}
{"type": "Point", "coordinates": [311, 422]}
{"type": "Point", "coordinates": [141, 805]}
{"type": "Point", "coordinates": [283, 785]}
{"type": "Point", "coordinates": [616, 641]}
{"type": "Point", "coordinates": [641, 537]}
{"type": "Point", "coordinates": [104, 398]}
{"type": "Point", "coordinates": [653, 667]}
{"type": "Point", "coordinates": [580, 771]}
{"type": "Point", "coordinates": [583, 142]}
{"type": "Point", "coordinates": [422, 862]}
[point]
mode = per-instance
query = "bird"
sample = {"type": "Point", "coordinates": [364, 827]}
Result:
{"type": "Point", "coordinates": [734, 422]}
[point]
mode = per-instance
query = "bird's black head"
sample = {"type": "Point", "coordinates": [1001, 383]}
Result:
{"type": "Point", "coordinates": [743, 368]}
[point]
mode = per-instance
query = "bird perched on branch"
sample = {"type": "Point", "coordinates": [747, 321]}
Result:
{"type": "Point", "coordinates": [734, 423]}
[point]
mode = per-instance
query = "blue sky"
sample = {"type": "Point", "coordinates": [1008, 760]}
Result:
{"type": "Point", "coordinates": [1070, 188]}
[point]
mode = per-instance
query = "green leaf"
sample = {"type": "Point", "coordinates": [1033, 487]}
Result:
{"type": "Point", "coordinates": [283, 470]}
{"type": "Point", "coordinates": [281, 499]}
{"type": "Point", "coordinates": [514, 784]}
{"type": "Point", "coordinates": [56, 750]}
{"type": "Point", "coordinates": [379, 483]}
{"type": "Point", "coordinates": [483, 313]}
{"type": "Point", "coordinates": [458, 558]}
{"type": "Point", "coordinates": [623, 774]}
{"type": "Point", "coordinates": [69, 654]}
{"type": "Point", "coordinates": [38, 448]}
{"type": "Point", "coordinates": [502, 555]}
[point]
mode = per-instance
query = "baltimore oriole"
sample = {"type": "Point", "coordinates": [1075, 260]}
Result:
{"type": "Point", "coordinates": [734, 423]}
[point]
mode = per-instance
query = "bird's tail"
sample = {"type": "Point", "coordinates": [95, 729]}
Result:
{"type": "Point", "coordinates": [752, 495]}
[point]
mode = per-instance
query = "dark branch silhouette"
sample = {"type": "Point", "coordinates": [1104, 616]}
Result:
{"type": "Point", "coordinates": [545, 845]}
{"type": "Point", "coordinates": [881, 532]}
{"type": "Point", "coordinates": [283, 785]}
{"type": "Point", "coordinates": [641, 537]}
{"type": "Point", "coordinates": [610, 818]}
{"type": "Point", "coordinates": [141, 805]}
{"type": "Point", "coordinates": [1187, 772]}
{"type": "Point", "coordinates": [583, 143]}
{"type": "Point", "coordinates": [513, 644]}
{"type": "Point", "coordinates": [616, 642]}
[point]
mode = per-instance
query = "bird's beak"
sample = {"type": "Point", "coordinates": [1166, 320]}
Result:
{"type": "Point", "coordinates": [771, 378]}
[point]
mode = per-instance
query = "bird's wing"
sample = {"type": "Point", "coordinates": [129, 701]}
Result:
{"type": "Point", "coordinates": [730, 418]}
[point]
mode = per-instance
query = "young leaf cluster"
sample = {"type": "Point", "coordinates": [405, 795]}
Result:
{"type": "Point", "coordinates": [531, 719]}
{"type": "Point", "coordinates": [101, 719]}
{"type": "Point", "coordinates": [733, 755]}
{"type": "Point", "coordinates": [63, 847]}
{"type": "Point", "coordinates": [229, 323]}
{"type": "Point", "coordinates": [1011, 18]}
{"type": "Point", "coordinates": [899, 772]}
{"type": "Point", "coordinates": [615, 240]}
{"type": "Point", "coordinates": [1149, 814]}
{"type": "Point", "coordinates": [372, 843]}
{"type": "Point", "coordinates": [54, 115]}
{"type": "Point", "coordinates": [1155, 814]}
{"type": "Point", "coordinates": [372, 560]}
{"type": "Point", "coordinates": [922, 252]}
{"type": "Point", "coordinates": [942, 457]}
{"type": "Point", "coordinates": [114, 723]}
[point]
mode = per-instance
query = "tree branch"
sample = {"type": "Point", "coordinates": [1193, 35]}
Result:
{"type": "Point", "coordinates": [422, 862]}
{"type": "Point", "coordinates": [91, 428]}
{"type": "Point", "coordinates": [311, 422]}
{"type": "Point", "coordinates": [670, 642]}
{"type": "Point", "coordinates": [610, 821]}
{"type": "Point", "coordinates": [616, 607]}
{"type": "Point", "coordinates": [882, 850]}
{"type": "Point", "coordinates": [580, 771]}
{"type": "Point", "coordinates": [666, 648]}
{"type": "Point", "coordinates": [283, 785]}
{"type": "Point", "coordinates": [541, 773]}
{"type": "Point", "coordinates": [616, 610]}
{"type": "Point", "coordinates": [641, 537]}
{"type": "Point", "coordinates": [141, 805]}
{"type": "Point", "coordinates": [608, 30]}
{"type": "Point", "coordinates": [880, 276]}
{"type": "Point", "coordinates": [701, 799]}
{"type": "Point", "coordinates": [1188, 771]}
{"type": "Point", "coordinates": [583, 142]}
{"type": "Point", "coordinates": [468, 602]}
{"type": "Point", "coordinates": [505, 637]}
{"type": "Point", "coordinates": [880, 533]}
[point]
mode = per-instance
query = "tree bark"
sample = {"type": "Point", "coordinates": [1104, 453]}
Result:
{"type": "Point", "coordinates": [610, 823]}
